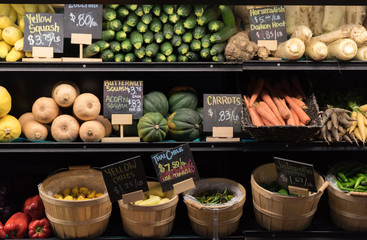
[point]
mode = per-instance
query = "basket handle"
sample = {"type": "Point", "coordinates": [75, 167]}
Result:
{"type": "Point", "coordinates": [323, 186]}
{"type": "Point", "coordinates": [358, 194]}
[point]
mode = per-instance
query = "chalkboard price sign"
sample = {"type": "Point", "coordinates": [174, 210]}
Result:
{"type": "Point", "coordinates": [295, 173]}
{"type": "Point", "coordinates": [83, 18]}
{"type": "Point", "coordinates": [124, 177]}
{"type": "Point", "coordinates": [267, 23]}
{"type": "Point", "coordinates": [44, 30]}
{"type": "Point", "coordinates": [123, 97]}
{"type": "Point", "coordinates": [222, 110]}
{"type": "Point", "coordinates": [174, 166]}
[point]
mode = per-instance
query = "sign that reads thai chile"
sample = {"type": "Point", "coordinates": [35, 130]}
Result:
{"type": "Point", "coordinates": [295, 173]}
{"type": "Point", "coordinates": [267, 23]}
{"type": "Point", "coordinates": [123, 97]}
{"type": "Point", "coordinates": [174, 166]}
{"type": "Point", "coordinates": [83, 18]}
{"type": "Point", "coordinates": [44, 30]}
{"type": "Point", "coordinates": [124, 177]}
{"type": "Point", "coordinates": [222, 110]}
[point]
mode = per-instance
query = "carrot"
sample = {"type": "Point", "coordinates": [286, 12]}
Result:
{"type": "Point", "coordinates": [297, 85]}
{"type": "Point", "coordinates": [295, 117]}
{"type": "Point", "coordinates": [300, 103]}
{"type": "Point", "coordinates": [256, 90]}
{"type": "Point", "coordinates": [255, 118]}
{"type": "Point", "coordinates": [265, 112]}
{"type": "Point", "coordinates": [291, 121]}
{"type": "Point", "coordinates": [266, 123]}
{"type": "Point", "coordinates": [303, 117]}
{"type": "Point", "coordinates": [267, 99]}
{"type": "Point", "coordinates": [361, 126]}
{"type": "Point", "coordinates": [283, 110]}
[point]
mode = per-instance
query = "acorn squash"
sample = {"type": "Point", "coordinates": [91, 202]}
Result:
{"type": "Point", "coordinates": [183, 99]}
{"type": "Point", "coordinates": [152, 127]}
{"type": "Point", "coordinates": [10, 128]}
{"type": "Point", "coordinates": [5, 101]}
{"type": "Point", "coordinates": [155, 102]}
{"type": "Point", "coordinates": [185, 125]}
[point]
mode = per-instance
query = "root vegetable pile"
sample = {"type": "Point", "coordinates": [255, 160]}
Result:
{"type": "Point", "coordinates": [278, 103]}
{"type": "Point", "coordinates": [359, 124]}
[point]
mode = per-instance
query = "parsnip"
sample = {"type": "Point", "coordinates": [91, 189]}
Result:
{"type": "Point", "coordinates": [316, 16]}
{"type": "Point", "coordinates": [342, 49]}
{"type": "Point", "coordinates": [334, 16]}
{"type": "Point", "coordinates": [355, 14]}
{"type": "Point", "coordinates": [292, 49]}
{"type": "Point", "coordinates": [316, 50]}
{"type": "Point", "coordinates": [361, 54]}
{"type": "Point", "coordinates": [344, 31]}
{"type": "Point", "coordinates": [302, 32]}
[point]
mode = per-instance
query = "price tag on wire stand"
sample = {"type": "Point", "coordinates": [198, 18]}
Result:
{"type": "Point", "coordinates": [83, 18]}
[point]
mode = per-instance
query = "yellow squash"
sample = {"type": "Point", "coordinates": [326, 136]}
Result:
{"type": "Point", "coordinates": [9, 128]}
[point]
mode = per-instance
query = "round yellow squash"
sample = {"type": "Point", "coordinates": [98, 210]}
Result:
{"type": "Point", "coordinates": [9, 128]}
{"type": "Point", "coordinates": [5, 101]}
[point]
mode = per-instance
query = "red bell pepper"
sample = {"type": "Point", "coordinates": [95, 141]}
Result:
{"type": "Point", "coordinates": [17, 225]}
{"type": "Point", "coordinates": [39, 228]}
{"type": "Point", "coordinates": [33, 206]}
{"type": "Point", "coordinates": [2, 231]}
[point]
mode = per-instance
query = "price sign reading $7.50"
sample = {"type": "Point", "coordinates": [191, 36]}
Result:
{"type": "Point", "coordinates": [83, 18]}
{"type": "Point", "coordinates": [222, 110]}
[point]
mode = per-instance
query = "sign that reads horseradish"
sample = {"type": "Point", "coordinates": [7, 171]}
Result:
{"type": "Point", "coordinates": [124, 177]}
{"type": "Point", "coordinates": [83, 18]}
{"type": "Point", "coordinates": [222, 110]}
{"type": "Point", "coordinates": [174, 166]}
{"type": "Point", "coordinates": [267, 23]}
{"type": "Point", "coordinates": [44, 30]}
{"type": "Point", "coordinates": [293, 173]}
{"type": "Point", "coordinates": [123, 97]}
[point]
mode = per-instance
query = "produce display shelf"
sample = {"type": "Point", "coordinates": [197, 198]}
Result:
{"type": "Point", "coordinates": [248, 146]}
{"type": "Point", "coordinates": [192, 2]}
{"type": "Point", "coordinates": [121, 67]}
{"type": "Point", "coordinates": [304, 235]}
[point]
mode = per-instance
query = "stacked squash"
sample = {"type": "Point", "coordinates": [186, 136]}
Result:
{"type": "Point", "coordinates": [47, 116]}
{"type": "Point", "coordinates": [182, 124]}
{"type": "Point", "coordinates": [10, 127]}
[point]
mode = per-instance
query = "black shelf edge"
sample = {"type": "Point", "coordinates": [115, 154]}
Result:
{"type": "Point", "coordinates": [192, 2]}
{"type": "Point", "coordinates": [305, 235]}
{"type": "Point", "coordinates": [250, 146]}
{"type": "Point", "coordinates": [121, 67]}
{"type": "Point", "coordinates": [309, 65]}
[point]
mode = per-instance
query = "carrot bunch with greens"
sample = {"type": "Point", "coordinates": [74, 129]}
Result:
{"type": "Point", "coordinates": [277, 103]}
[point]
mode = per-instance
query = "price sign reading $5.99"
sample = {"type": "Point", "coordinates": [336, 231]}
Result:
{"type": "Point", "coordinates": [222, 110]}
{"type": "Point", "coordinates": [44, 30]}
{"type": "Point", "coordinates": [83, 18]}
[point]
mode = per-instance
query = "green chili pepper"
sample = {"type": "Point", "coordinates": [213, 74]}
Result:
{"type": "Point", "coordinates": [359, 180]}
{"type": "Point", "coordinates": [342, 177]}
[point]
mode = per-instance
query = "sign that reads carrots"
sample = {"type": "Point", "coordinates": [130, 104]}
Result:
{"type": "Point", "coordinates": [267, 23]}
{"type": "Point", "coordinates": [293, 173]}
{"type": "Point", "coordinates": [83, 18]}
{"type": "Point", "coordinates": [174, 165]}
{"type": "Point", "coordinates": [44, 30]}
{"type": "Point", "coordinates": [124, 177]}
{"type": "Point", "coordinates": [123, 97]}
{"type": "Point", "coordinates": [222, 110]}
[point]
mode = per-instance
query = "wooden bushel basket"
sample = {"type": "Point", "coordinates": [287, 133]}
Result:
{"type": "Point", "coordinates": [202, 216]}
{"type": "Point", "coordinates": [348, 211]}
{"type": "Point", "coordinates": [277, 212]}
{"type": "Point", "coordinates": [76, 219]}
{"type": "Point", "coordinates": [149, 221]}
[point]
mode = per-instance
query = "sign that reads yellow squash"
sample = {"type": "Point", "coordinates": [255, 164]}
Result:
{"type": "Point", "coordinates": [267, 23]}
{"type": "Point", "coordinates": [44, 30]}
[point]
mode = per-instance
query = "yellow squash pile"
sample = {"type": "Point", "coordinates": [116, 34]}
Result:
{"type": "Point", "coordinates": [9, 126]}
{"type": "Point", "coordinates": [12, 28]}
{"type": "Point", "coordinates": [77, 193]}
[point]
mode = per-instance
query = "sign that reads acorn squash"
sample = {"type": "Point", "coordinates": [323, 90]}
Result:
{"type": "Point", "coordinates": [83, 18]}
{"type": "Point", "coordinates": [44, 30]}
{"type": "Point", "coordinates": [222, 110]}
{"type": "Point", "coordinates": [175, 165]}
{"type": "Point", "coordinates": [267, 23]}
{"type": "Point", "coordinates": [123, 97]}
{"type": "Point", "coordinates": [124, 177]}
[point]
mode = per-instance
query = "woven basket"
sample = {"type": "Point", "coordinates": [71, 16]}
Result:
{"type": "Point", "coordinates": [284, 133]}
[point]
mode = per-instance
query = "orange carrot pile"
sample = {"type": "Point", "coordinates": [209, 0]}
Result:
{"type": "Point", "coordinates": [278, 103]}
